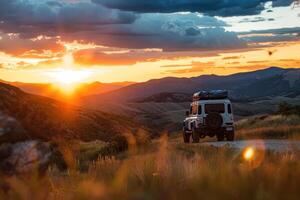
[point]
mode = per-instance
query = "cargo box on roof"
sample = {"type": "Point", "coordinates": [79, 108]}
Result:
{"type": "Point", "coordinates": [212, 94]}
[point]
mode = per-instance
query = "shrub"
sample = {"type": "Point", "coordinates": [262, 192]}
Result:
{"type": "Point", "coordinates": [288, 109]}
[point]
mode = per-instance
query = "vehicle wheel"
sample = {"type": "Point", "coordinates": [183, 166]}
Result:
{"type": "Point", "coordinates": [230, 136]}
{"type": "Point", "coordinates": [195, 136]}
{"type": "Point", "coordinates": [220, 136]}
{"type": "Point", "coordinates": [186, 137]}
{"type": "Point", "coordinates": [214, 121]}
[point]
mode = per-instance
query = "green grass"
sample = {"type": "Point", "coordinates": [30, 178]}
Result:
{"type": "Point", "coordinates": [169, 170]}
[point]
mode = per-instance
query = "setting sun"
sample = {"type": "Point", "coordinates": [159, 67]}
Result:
{"type": "Point", "coordinates": [68, 76]}
{"type": "Point", "coordinates": [68, 80]}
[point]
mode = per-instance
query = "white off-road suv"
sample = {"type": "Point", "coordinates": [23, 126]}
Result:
{"type": "Point", "coordinates": [210, 115]}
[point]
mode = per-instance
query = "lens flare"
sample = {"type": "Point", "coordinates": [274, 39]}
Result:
{"type": "Point", "coordinates": [248, 153]}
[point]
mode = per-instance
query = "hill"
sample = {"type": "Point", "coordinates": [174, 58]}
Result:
{"type": "Point", "coordinates": [48, 119]}
{"type": "Point", "coordinates": [273, 81]}
{"type": "Point", "coordinates": [161, 103]}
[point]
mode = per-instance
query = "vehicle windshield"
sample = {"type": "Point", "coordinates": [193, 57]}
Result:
{"type": "Point", "coordinates": [218, 108]}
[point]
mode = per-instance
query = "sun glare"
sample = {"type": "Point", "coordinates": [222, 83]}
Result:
{"type": "Point", "coordinates": [67, 80]}
{"type": "Point", "coordinates": [66, 76]}
{"type": "Point", "coordinates": [248, 153]}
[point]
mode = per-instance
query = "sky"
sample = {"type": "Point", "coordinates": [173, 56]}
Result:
{"type": "Point", "coordinates": [134, 40]}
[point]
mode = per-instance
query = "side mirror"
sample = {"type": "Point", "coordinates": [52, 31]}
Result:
{"type": "Point", "coordinates": [187, 113]}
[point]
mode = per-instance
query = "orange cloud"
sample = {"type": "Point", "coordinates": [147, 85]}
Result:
{"type": "Point", "coordinates": [89, 57]}
{"type": "Point", "coordinates": [231, 57]}
{"type": "Point", "coordinates": [40, 47]}
{"type": "Point", "coordinates": [98, 56]}
{"type": "Point", "coordinates": [195, 67]}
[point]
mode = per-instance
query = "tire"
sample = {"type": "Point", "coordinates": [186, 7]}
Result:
{"type": "Point", "coordinates": [214, 121]}
{"type": "Point", "coordinates": [230, 136]}
{"type": "Point", "coordinates": [186, 137]}
{"type": "Point", "coordinates": [195, 136]}
{"type": "Point", "coordinates": [220, 137]}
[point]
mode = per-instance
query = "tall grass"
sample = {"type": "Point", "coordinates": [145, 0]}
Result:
{"type": "Point", "coordinates": [271, 126]}
{"type": "Point", "coordinates": [164, 170]}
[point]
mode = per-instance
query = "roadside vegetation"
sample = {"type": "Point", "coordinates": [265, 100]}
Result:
{"type": "Point", "coordinates": [285, 124]}
{"type": "Point", "coordinates": [269, 127]}
{"type": "Point", "coordinates": [163, 169]}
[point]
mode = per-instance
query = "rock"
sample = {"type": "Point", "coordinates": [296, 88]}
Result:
{"type": "Point", "coordinates": [10, 129]}
{"type": "Point", "coordinates": [24, 157]}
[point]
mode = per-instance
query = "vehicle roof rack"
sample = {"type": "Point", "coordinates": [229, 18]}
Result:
{"type": "Point", "coordinates": [210, 95]}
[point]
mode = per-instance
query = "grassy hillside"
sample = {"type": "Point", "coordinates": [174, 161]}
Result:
{"type": "Point", "coordinates": [168, 116]}
{"type": "Point", "coordinates": [269, 126]}
{"type": "Point", "coordinates": [47, 119]}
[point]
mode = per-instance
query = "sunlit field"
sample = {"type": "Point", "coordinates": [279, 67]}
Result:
{"type": "Point", "coordinates": [272, 126]}
{"type": "Point", "coordinates": [163, 169]}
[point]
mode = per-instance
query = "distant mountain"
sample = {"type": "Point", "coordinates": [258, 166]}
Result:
{"type": "Point", "coordinates": [161, 103]}
{"type": "Point", "coordinates": [47, 119]}
{"type": "Point", "coordinates": [166, 97]}
{"type": "Point", "coordinates": [272, 81]}
{"type": "Point", "coordinates": [84, 89]}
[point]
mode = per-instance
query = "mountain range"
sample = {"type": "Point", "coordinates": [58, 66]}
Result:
{"type": "Point", "coordinates": [270, 82]}
{"type": "Point", "coordinates": [159, 103]}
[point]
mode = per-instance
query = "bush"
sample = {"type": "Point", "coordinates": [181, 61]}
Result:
{"type": "Point", "coordinates": [288, 109]}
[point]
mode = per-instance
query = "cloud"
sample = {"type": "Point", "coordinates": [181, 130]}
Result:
{"type": "Point", "coordinates": [94, 57]}
{"type": "Point", "coordinates": [272, 35]}
{"type": "Point", "coordinates": [271, 38]}
{"type": "Point", "coordinates": [274, 31]}
{"type": "Point", "coordinates": [87, 22]}
{"type": "Point", "coordinates": [231, 57]}
{"type": "Point", "coordinates": [255, 19]}
{"type": "Point", "coordinates": [282, 3]}
{"type": "Point", "coordinates": [170, 32]}
{"type": "Point", "coordinates": [193, 67]}
{"type": "Point", "coordinates": [175, 66]}
{"type": "Point", "coordinates": [24, 65]}
{"type": "Point", "coordinates": [223, 8]}
{"type": "Point", "coordinates": [32, 17]}
{"type": "Point", "coordinates": [122, 57]}
{"type": "Point", "coordinates": [40, 47]}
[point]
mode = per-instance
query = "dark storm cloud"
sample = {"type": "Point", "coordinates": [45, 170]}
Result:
{"type": "Point", "coordinates": [170, 32]}
{"type": "Point", "coordinates": [27, 19]}
{"type": "Point", "coordinates": [280, 3]}
{"type": "Point", "coordinates": [43, 16]}
{"type": "Point", "coordinates": [92, 23]}
{"type": "Point", "coordinates": [211, 7]}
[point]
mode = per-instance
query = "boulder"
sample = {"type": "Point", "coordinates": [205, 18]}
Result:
{"type": "Point", "coordinates": [24, 157]}
{"type": "Point", "coordinates": [10, 129]}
